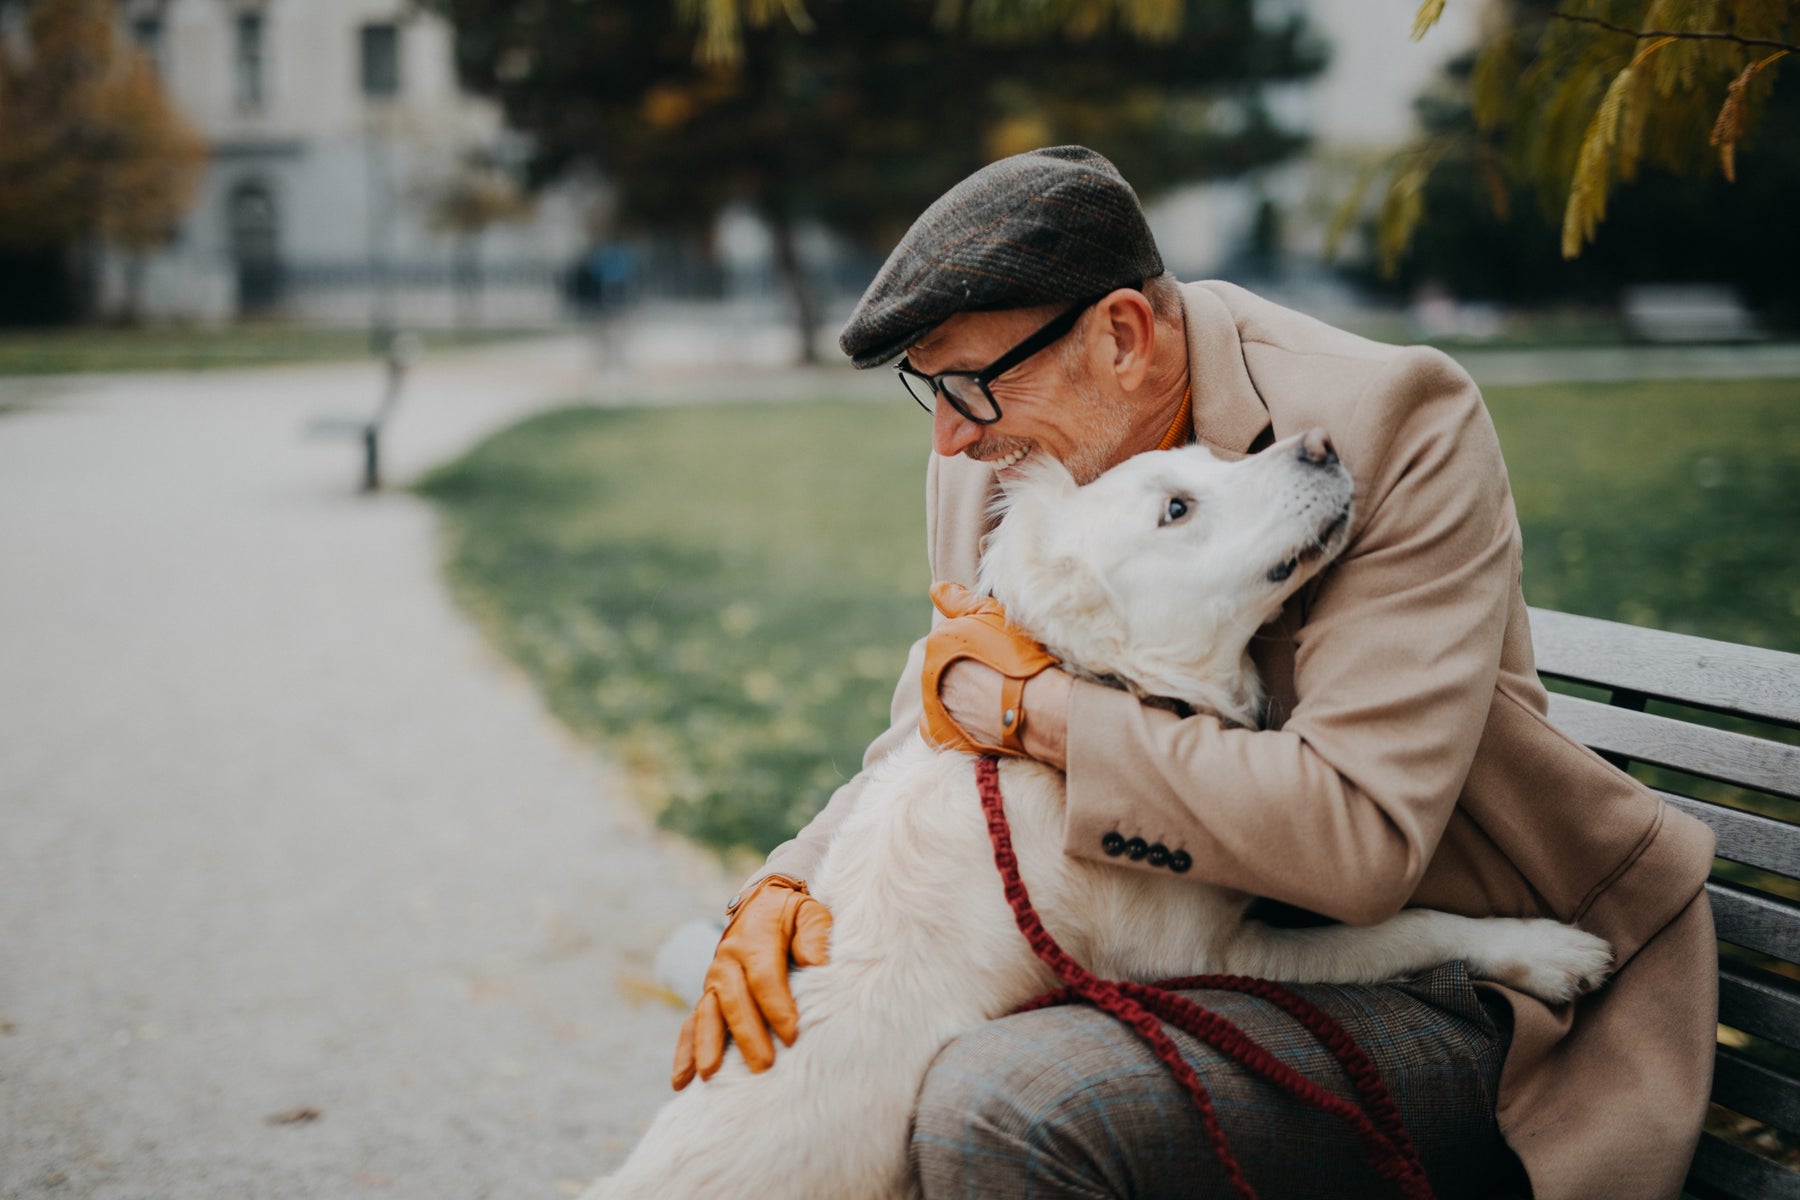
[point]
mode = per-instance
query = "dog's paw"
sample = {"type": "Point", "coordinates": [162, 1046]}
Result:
{"type": "Point", "coordinates": [1546, 959]}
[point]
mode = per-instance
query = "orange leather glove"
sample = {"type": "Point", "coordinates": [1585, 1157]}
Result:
{"type": "Point", "coordinates": [978, 630]}
{"type": "Point", "coordinates": [746, 990]}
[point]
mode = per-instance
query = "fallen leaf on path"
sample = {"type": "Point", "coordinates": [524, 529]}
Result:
{"type": "Point", "coordinates": [294, 1116]}
{"type": "Point", "coordinates": [638, 990]}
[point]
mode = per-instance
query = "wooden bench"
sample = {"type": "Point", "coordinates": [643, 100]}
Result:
{"type": "Point", "coordinates": [402, 351]}
{"type": "Point", "coordinates": [1711, 727]}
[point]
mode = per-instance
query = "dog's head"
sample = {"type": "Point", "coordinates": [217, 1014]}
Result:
{"type": "Point", "coordinates": [1159, 572]}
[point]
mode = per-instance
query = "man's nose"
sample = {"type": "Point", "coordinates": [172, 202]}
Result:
{"type": "Point", "coordinates": [951, 432]}
{"type": "Point", "coordinates": [1315, 448]}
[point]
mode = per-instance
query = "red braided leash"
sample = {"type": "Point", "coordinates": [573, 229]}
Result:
{"type": "Point", "coordinates": [1145, 1007]}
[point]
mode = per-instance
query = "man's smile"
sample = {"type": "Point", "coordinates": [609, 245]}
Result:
{"type": "Point", "coordinates": [1010, 459]}
{"type": "Point", "coordinates": [998, 456]}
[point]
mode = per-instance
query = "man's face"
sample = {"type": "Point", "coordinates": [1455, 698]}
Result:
{"type": "Point", "coordinates": [1049, 404]}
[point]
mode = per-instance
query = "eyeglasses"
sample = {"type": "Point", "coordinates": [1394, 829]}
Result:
{"type": "Point", "coordinates": [968, 391]}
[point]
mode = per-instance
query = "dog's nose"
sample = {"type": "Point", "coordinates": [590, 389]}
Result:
{"type": "Point", "coordinates": [1315, 448]}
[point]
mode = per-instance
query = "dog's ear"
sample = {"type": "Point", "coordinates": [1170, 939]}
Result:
{"type": "Point", "coordinates": [1076, 613]}
{"type": "Point", "coordinates": [1081, 591]}
{"type": "Point", "coordinates": [1060, 598]}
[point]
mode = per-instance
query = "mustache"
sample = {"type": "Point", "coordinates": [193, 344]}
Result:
{"type": "Point", "coordinates": [991, 448]}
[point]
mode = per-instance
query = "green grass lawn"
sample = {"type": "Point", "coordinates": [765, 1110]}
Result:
{"type": "Point", "coordinates": [1672, 504]}
{"type": "Point", "coordinates": [723, 596]}
{"type": "Point", "coordinates": [73, 351]}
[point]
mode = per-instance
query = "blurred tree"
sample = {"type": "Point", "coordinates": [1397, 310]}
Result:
{"type": "Point", "coordinates": [480, 193]}
{"type": "Point", "coordinates": [92, 152]}
{"type": "Point", "coordinates": [1573, 97]}
{"type": "Point", "coordinates": [722, 22]}
{"type": "Point", "coordinates": [1482, 232]}
{"type": "Point", "coordinates": [859, 115]}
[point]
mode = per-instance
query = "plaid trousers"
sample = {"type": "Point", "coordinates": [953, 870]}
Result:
{"type": "Point", "coordinates": [1067, 1102]}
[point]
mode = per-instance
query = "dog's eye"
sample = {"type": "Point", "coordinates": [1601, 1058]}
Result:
{"type": "Point", "coordinates": [1177, 508]}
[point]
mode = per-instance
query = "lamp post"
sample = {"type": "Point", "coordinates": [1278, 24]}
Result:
{"type": "Point", "coordinates": [378, 167]}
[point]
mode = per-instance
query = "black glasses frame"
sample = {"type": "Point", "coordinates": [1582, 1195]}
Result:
{"type": "Point", "coordinates": [1056, 328]}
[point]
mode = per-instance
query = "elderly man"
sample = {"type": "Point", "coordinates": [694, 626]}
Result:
{"type": "Point", "coordinates": [1405, 758]}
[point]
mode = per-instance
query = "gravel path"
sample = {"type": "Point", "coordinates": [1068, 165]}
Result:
{"type": "Point", "coordinates": [302, 893]}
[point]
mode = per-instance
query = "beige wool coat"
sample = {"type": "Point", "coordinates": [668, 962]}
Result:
{"type": "Point", "coordinates": [1407, 759]}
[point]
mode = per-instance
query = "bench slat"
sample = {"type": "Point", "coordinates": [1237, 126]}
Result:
{"type": "Point", "coordinates": [1639, 663]}
{"type": "Point", "coordinates": [1756, 921]}
{"type": "Point", "coordinates": [1746, 837]}
{"type": "Point", "coordinates": [1723, 1169]}
{"type": "Point", "coordinates": [1744, 1085]}
{"type": "Point", "coordinates": [1698, 750]}
{"type": "Point", "coordinates": [1746, 680]}
{"type": "Point", "coordinates": [1766, 1006]}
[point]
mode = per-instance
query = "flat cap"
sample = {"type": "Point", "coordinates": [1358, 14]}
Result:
{"type": "Point", "coordinates": [1059, 224]}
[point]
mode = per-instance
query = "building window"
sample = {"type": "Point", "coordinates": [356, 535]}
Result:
{"type": "Point", "coordinates": [248, 54]}
{"type": "Point", "coordinates": [380, 61]}
{"type": "Point", "coordinates": [147, 36]}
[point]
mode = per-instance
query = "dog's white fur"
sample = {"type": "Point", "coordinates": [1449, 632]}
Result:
{"type": "Point", "coordinates": [1124, 585]}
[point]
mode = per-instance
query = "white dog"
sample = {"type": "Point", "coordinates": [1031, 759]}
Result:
{"type": "Point", "coordinates": [1155, 576]}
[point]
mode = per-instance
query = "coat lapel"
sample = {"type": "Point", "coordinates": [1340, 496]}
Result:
{"type": "Point", "coordinates": [1228, 412]}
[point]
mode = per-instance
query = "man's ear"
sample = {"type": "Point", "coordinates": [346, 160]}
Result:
{"type": "Point", "coordinates": [1128, 324]}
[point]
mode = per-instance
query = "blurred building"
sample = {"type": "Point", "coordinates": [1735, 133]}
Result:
{"type": "Point", "coordinates": [352, 180]}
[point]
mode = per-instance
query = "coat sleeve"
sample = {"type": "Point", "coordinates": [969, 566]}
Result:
{"type": "Point", "coordinates": [1396, 655]}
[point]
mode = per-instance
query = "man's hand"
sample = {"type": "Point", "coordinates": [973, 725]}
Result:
{"type": "Point", "coordinates": [746, 991]}
{"type": "Point", "coordinates": [977, 669]}
{"type": "Point", "coordinates": [971, 696]}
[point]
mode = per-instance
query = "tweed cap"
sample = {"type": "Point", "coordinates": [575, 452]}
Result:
{"type": "Point", "coordinates": [1059, 224]}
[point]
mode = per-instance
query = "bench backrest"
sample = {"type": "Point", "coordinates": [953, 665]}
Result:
{"type": "Point", "coordinates": [1711, 726]}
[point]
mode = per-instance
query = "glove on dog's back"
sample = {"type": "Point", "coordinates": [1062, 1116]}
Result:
{"type": "Point", "coordinates": [747, 991]}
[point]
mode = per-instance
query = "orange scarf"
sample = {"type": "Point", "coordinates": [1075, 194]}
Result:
{"type": "Point", "coordinates": [1181, 431]}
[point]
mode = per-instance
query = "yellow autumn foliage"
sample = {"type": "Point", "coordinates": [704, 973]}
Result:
{"type": "Point", "coordinates": [1576, 105]}
{"type": "Point", "coordinates": [90, 146]}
